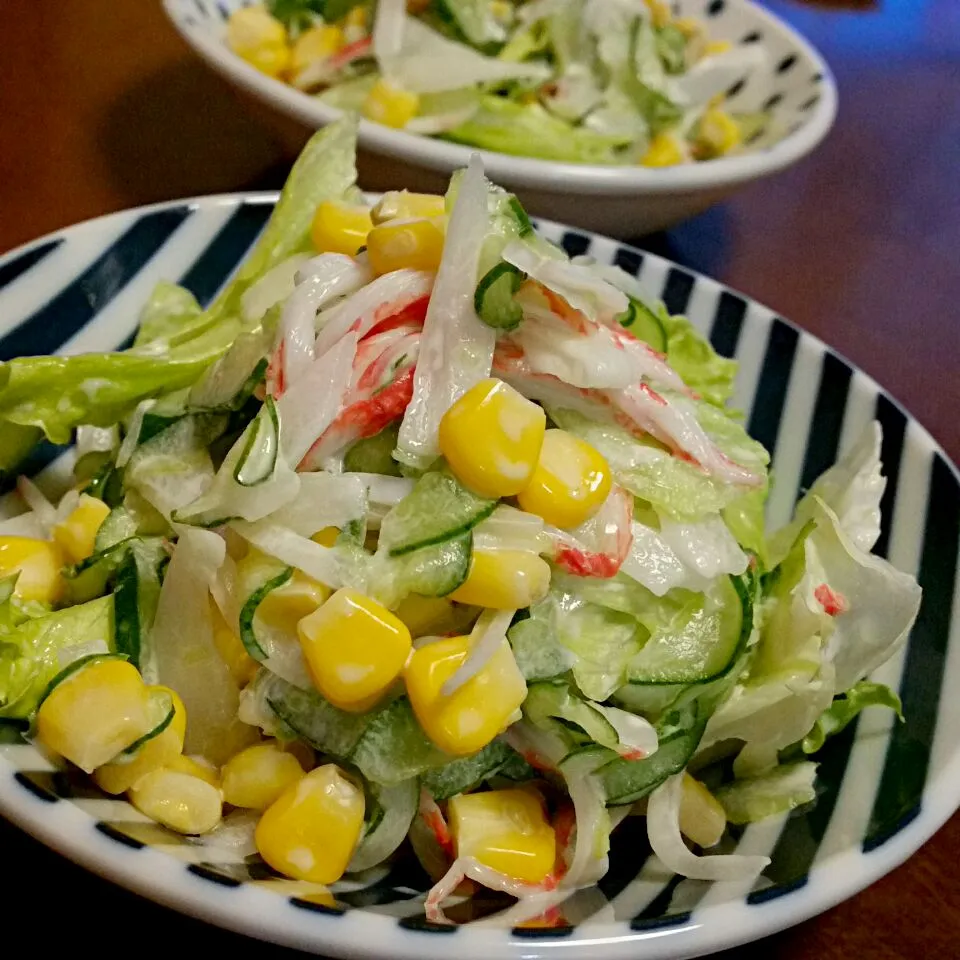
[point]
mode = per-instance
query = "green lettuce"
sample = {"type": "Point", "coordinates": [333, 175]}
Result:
{"type": "Point", "coordinates": [700, 366]}
{"type": "Point", "coordinates": [57, 394]}
{"type": "Point", "coordinates": [784, 788]}
{"type": "Point", "coordinates": [845, 709]}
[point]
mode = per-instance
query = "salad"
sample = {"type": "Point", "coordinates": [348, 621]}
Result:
{"type": "Point", "coordinates": [424, 532]}
{"type": "Point", "coordinates": [584, 81]}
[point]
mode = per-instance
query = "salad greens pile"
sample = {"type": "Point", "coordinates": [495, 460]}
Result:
{"type": "Point", "coordinates": [584, 81]}
{"type": "Point", "coordinates": [292, 429]}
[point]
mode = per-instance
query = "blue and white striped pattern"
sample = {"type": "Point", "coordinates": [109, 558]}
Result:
{"type": "Point", "coordinates": [883, 788]}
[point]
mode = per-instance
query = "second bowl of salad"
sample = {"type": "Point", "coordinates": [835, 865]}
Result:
{"type": "Point", "coordinates": [621, 115]}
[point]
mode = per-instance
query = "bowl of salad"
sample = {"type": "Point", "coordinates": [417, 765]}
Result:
{"type": "Point", "coordinates": [403, 580]}
{"type": "Point", "coordinates": [618, 115]}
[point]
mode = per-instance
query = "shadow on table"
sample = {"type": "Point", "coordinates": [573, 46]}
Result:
{"type": "Point", "coordinates": [701, 243]}
{"type": "Point", "coordinates": [184, 132]}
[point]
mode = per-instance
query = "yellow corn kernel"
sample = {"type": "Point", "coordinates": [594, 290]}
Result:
{"type": "Point", "coordinates": [286, 606]}
{"type": "Point", "coordinates": [505, 829]}
{"type": "Point", "coordinates": [504, 580]}
{"type": "Point", "coordinates": [38, 564]}
{"type": "Point", "coordinates": [310, 832]}
{"type": "Point", "coordinates": [715, 47]}
{"type": "Point", "coordinates": [302, 751]}
{"type": "Point", "coordinates": [717, 133]}
{"type": "Point", "coordinates": [197, 767]}
{"type": "Point", "coordinates": [501, 10]}
{"type": "Point", "coordinates": [403, 205]}
{"type": "Point", "coordinates": [119, 776]}
{"type": "Point", "coordinates": [659, 12]}
{"type": "Point", "coordinates": [688, 26]}
{"type": "Point", "coordinates": [355, 649]}
{"type": "Point", "coordinates": [92, 715]}
{"type": "Point", "coordinates": [357, 17]}
{"type": "Point", "coordinates": [255, 777]}
{"type": "Point", "coordinates": [491, 438]}
{"type": "Point", "coordinates": [665, 150]}
{"type": "Point", "coordinates": [469, 718]}
{"type": "Point", "coordinates": [340, 227]}
{"type": "Point", "coordinates": [390, 105]}
{"type": "Point", "coordinates": [317, 43]}
{"type": "Point", "coordinates": [179, 801]}
{"type": "Point", "coordinates": [327, 537]}
{"type": "Point", "coordinates": [241, 665]}
{"type": "Point", "coordinates": [414, 244]}
{"type": "Point", "coordinates": [78, 533]}
{"type": "Point", "coordinates": [570, 482]}
{"type": "Point", "coordinates": [260, 39]}
{"type": "Point", "coordinates": [702, 818]}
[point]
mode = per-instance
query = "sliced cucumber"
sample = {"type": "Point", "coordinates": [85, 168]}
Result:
{"type": "Point", "coordinates": [162, 711]}
{"type": "Point", "coordinates": [259, 456]}
{"type": "Point", "coordinates": [524, 226]}
{"type": "Point", "coordinates": [701, 648]}
{"type": "Point", "coordinates": [438, 509]}
{"type": "Point", "coordinates": [494, 297]}
{"type": "Point", "coordinates": [230, 382]}
{"type": "Point", "coordinates": [312, 718]}
{"type": "Point", "coordinates": [434, 571]}
{"type": "Point", "coordinates": [374, 454]}
{"type": "Point", "coordinates": [248, 636]}
{"type": "Point", "coordinates": [548, 702]}
{"type": "Point", "coordinates": [585, 761]}
{"type": "Point", "coordinates": [73, 668]}
{"type": "Point", "coordinates": [465, 773]}
{"type": "Point", "coordinates": [135, 598]}
{"type": "Point", "coordinates": [644, 324]}
{"type": "Point", "coordinates": [120, 524]}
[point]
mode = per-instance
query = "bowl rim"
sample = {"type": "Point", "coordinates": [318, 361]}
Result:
{"type": "Point", "coordinates": [271, 916]}
{"type": "Point", "coordinates": [529, 172]}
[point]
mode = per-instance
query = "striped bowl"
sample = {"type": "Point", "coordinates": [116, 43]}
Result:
{"type": "Point", "coordinates": [883, 789]}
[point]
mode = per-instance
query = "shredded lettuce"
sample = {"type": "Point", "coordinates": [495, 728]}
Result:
{"type": "Point", "coordinates": [783, 789]}
{"type": "Point", "coordinates": [845, 709]}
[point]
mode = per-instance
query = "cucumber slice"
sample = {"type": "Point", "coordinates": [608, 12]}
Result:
{"type": "Point", "coordinates": [702, 648]}
{"type": "Point", "coordinates": [248, 636]}
{"type": "Point", "coordinates": [493, 299]}
{"type": "Point", "coordinates": [524, 225]}
{"type": "Point", "coordinates": [548, 703]}
{"type": "Point", "coordinates": [644, 324]}
{"type": "Point", "coordinates": [259, 456]}
{"type": "Point", "coordinates": [436, 510]}
{"type": "Point", "coordinates": [374, 454]}
{"type": "Point", "coordinates": [465, 773]}
{"type": "Point", "coordinates": [119, 525]}
{"type": "Point", "coordinates": [73, 668]}
{"type": "Point", "coordinates": [434, 571]}
{"type": "Point", "coordinates": [313, 719]}
{"type": "Point", "coordinates": [162, 710]}
{"type": "Point", "coordinates": [135, 598]}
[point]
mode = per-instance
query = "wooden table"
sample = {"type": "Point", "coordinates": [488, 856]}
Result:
{"type": "Point", "coordinates": [103, 107]}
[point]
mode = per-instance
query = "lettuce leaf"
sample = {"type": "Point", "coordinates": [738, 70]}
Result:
{"type": "Point", "coordinates": [845, 709]}
{"type": "Point", "coordinates": [784, 788]}
{"type": "Point", "coordinates": [57, 394]}
{"type": "Point", "coordinates": [700, 366]}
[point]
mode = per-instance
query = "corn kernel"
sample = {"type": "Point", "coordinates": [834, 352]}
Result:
{"type": "Point", "coordinates": [96, 712]}
{"type": "Point", "coordinates": [504, 580]}
{"type": "Point", "coordinates": [469, 718]}
{"type": "Point", "coordinates": [430, 616]}
{"type": "Point", "coordinates": [120, 775]}
{"type": "Point", "coordinates": [403, 205]}
{"type": "Point", "coordinates": [197, 767]}
{"type": "Point", "coordinates": [570, 482]}
{"type": "Point", "coordinates": [310, 832]}
{"type": "Point", "coordinates": [491, 438]}
{"type": "Point", "coordinates": [286, 606]}
{"type": "Point", "coordinates": [260, 39]}
{"type": "Point", "coordinates": [717, 133]}
{"type": "Point", "coordinates": [411, 244]}
{"type": "Point", "coordinates": [327, 537]}
{"type": "Point", "coordinates": [241, 665]}
{"type": "Point", "coordinates": [355, 649]}
{"type": "Point", "coordinates": [715, 47]}
{"type": "Point", "coordinates": [665, 150]}
{"type": "Point", "coordinates": [659, 12]}
{"type": "Point", "coordinates": [702, 817]}
{"type": "Point", "coordinates": [38, 564]}
{"type": "Point", "coordinates": [78, 533]}
{"type": "Point", "coordinates": [317, 43]}
{"type": "Point", "coordinates": [357, 17]}
{"type": "Point", "coordinates": [179, 801]}
{"type": "Point", "coordinates": [390, 106]}
{"type": "Point", "coordinates": [255, 777]}
{"type": "Point", "coordinates": [505, 829]}
{"type": "Point", "coordinates": [340, 228]}
{"type": "Point", "coordinates": [688, 26]}
{"type": "Point", "coordinates": [302, 751]}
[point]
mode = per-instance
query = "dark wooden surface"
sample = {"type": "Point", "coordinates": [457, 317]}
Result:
{"type": "Point", "coordinates": [103, 107]}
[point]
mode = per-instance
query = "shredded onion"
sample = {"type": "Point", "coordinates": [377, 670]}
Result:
{"type": "Point", "coordinates": [133, 432]}
{"type": "Point", "coordinates": [486, 637]}
{"type": "Point", "coordinates": [43, 509]}
{"type": "Point", "coordinates": [663, 832]}
{"type": "Point", "coordinates": [313, 559]}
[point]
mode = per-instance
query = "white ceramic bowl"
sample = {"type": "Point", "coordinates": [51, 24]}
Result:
{"type": "Point", "coordinates": [883, 788]}
{"type": "Point", "coordinates": [795, 85]}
